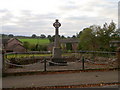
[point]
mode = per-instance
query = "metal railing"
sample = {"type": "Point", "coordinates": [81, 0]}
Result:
{"type": "Point", "coordinates": [82, 60]}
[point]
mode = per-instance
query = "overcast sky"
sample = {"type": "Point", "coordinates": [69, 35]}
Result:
{"type": "Point", "coordinates": [27, 17]}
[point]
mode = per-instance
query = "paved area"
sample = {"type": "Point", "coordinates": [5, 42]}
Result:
{"type": "Point", "coordinates": [60, 79]}
{"type": "Point", "coordinates": [108, 86]}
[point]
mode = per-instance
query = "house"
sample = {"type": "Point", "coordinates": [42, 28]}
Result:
{"type": "Point", "coordinates": [70, 44]}
{"type": "Point", "coordinates": [66, 44]}
{"type": "Point", "coordinates": [12, 45]}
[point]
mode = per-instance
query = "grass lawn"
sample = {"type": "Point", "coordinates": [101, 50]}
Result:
{"type": "Point", "coordinates": [31, 55]}
{"type": "Point", "coordinates": [26, 55]}
{"type": "Point", "coordinates": [36, 41]}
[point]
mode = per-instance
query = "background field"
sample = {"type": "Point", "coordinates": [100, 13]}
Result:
{"type": "Point", "coordinates": [36, 41]}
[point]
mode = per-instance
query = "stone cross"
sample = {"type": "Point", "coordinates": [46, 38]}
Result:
{"type": "Point", "coordinates": [57, 59]}
{"type": "Point", "coordinates": [56, 49]}
{"type": "Point", "coordinates": [56, 25]}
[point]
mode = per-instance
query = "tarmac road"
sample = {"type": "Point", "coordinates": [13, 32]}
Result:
{"type": "Point", "coordinates": [60, 79]}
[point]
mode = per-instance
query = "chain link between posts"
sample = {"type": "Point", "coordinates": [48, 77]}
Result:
{"type": "Point", "coordinates": [86, 60]}
{"type": "Point", "coordinates": [7, 62]}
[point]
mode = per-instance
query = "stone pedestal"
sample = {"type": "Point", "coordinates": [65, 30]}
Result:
{"type": "Point", "coordinates": [58, 62]}
{"type": "Point", "coordinates": [57, 52]}
{"type": "Point", "coordinates": [57, 59]}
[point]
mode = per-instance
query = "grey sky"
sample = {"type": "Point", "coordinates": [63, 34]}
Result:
{"type": "Point", "coordinates": [27, 17]}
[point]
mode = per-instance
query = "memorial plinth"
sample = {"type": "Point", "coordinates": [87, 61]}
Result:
{"type": "Point", "coordinates": [57, 54]}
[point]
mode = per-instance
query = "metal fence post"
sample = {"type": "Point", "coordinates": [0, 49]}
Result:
{"type": "Point", "coordinates": [83, 61]}
{"type": "Point", "coordinates": [3, 62]}
{"type": "Point", "coordinates": [45, 64]}
{"type": "Point", "coordinates": [118, 57]}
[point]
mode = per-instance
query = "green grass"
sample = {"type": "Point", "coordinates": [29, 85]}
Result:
{"type": "Point", "coordinates": [30, 55]}
{"type": "Point", "coordinates": [26, 55]}
{"type": "Point", "coordinates": [36, 41]}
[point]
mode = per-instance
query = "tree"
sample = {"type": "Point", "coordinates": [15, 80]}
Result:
{"type": "Point", "coordinates": [105, 35]}
{"type": "Point", "coordinates": [42, 48]}
{"type": "Point", "coordinates": [87, 40]}
{"type": "Point", "coordinates": [34, 36]}
{"type": "Point", "coordinates": [26, 45]}
{"type": "Point", "coordinates": [49, 36]}
{"type": "Point", "coordinates": [4, 36]}
{"type": "Point", "coordinates": [97, 38]}
{"type": "Point", "coordinates": [52, 38]}
{"type": "Point", "coordinates": [73, 36]}
{"type": "Point", "coordinates": [10, 35]}
{"type": "Point", "coordinates": [62, 36]}
{"type": "Point", "coordinates": [68, 36]}
{"type": "Point", "coordinates": [42, 36]}
{"type": "Point", "coordinates": [78, 34]}
{"type": "Point", "coordinates": [33, 47]}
